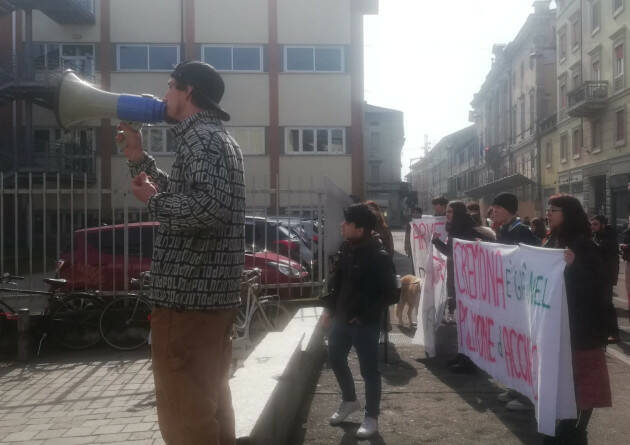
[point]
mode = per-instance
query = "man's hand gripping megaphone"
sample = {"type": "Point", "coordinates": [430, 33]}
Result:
{"type": "Point", "coordinates": [129, 140]}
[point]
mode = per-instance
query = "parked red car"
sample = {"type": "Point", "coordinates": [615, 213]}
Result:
{"type": "Point", "coordinates": [84, 268]}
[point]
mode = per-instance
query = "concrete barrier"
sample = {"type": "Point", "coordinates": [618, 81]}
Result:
{"type": "Point", "coordinates": [270, 387]}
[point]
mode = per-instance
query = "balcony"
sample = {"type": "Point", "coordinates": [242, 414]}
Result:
{"type": "Point", "coordinates": [547, 124]}
{"type": "Point", "coordinates": [64, 12]}
{"type": "Point", "coordinates": [589, 99]}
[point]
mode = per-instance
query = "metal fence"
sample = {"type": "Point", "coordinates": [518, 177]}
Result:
{"type": "Point", "coordinates": [70, 226]}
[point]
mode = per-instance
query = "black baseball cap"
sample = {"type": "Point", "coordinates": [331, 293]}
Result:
{"type": "Point", "coordinates": [207, 84]}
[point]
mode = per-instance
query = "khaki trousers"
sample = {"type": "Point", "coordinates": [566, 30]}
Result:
{"type": "Point", "coordinates": [191, 353]}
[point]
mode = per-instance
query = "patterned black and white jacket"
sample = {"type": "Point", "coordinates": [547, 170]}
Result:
{"type": "Point", "coordinates": [199, 247]}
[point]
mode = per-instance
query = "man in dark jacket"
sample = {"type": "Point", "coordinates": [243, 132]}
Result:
{"type": "Point", "coordinates": [354, 306]}
{"type": "Point", "coordinates": [512, 230]}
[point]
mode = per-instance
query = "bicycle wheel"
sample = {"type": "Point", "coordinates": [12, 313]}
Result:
{"type": "Point", "coordinates": [275, 318]}
{"type": "Point", "coordinates": [126, 322]}
{"type": "Point", "coordinates": [240, 321]}
{"type": "Point", "coordinates": [73, 321]}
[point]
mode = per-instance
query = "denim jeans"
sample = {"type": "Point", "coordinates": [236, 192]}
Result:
{"type": "Point", "coordinates": [364, 338]}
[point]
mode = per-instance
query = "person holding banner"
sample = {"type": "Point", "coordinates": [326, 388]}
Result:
{"type": "Point", "coordinates": [354, 305]}
{"type": "Point", "coordinates": [459, 224]}
{"type": "Point", "coordinates": [416, 213]}
{"type": "Point", "coordinates": [439, 206]}
{"type": "Point", "coordinates": [512, 231]}
{"type": "Point", "coordinates": [585, 289]}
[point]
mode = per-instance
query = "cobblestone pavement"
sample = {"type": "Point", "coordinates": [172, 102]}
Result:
{"type": "Point", "coordinates": [91, 397]}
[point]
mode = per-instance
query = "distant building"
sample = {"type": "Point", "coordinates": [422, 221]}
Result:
{"type": "Point", "coordinates": [447, 169]}
{"type": "Point", "coordinates": [383, 139]}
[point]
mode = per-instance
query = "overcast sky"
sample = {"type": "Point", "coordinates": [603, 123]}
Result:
{"type": "Point", "coordinates": [429, 57]}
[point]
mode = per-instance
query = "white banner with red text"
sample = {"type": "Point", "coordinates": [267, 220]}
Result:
{"type": "Point", "coordinates": [512, 322]}
{"type": "Point", "coordinates": [430, 265]}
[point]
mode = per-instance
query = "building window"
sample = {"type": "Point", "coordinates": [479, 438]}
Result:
{"type": "Point", "coordinates": [619, 66]}
{"type": "Point", "coordinates": [563, 95]}
{"type": "Point", "coordinates": [564, 147]}
{"type": "Point", "coordinates": [158, 140]}
{"type": "Point", "coordinates": [252, 140]}
{"type": "Point", "coordinates": [595, 17]}
{"type": "Point", "coordinates": [562, 44]}
{"type": "Point", "coordinates": [548, 154]}
{"type": "Point", "coordinates": [233, 58]}
{"type": "Point", "coordinates": [522, 116]}
{"type": "Point", "coordinates": [324, 59]}
{"type": "Point", "coordinates": [315, 141]}
{"type": "Point", "coordinates": [147, 57]}
{"type": "Point", "coordinates": [576, 33]}
{"type": "Point", "coordinates": [617, 7]}
{"type": "Point", "coordinates": [62, 56]}
{"type": "Point", "coordinates": [596, 135]}
{"type": "Point", "coordinates": [575, 78]}
{"type": "Point", "coordinates": [620, 123]}
{"type": "Point", "coordinates": [577, 143]}
{"type": "Point", "coordinates": [532, 112]}
{"type": "Point", "coordinates": [597, 71]}
{"type": "Point", "coordinates": [374, 172]}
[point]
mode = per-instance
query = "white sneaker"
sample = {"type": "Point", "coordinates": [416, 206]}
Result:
{"type": "Point", "coordinates": [506, 396]}
{"type": "Point", "coordinates": [517, 405]}
{"type": "Point", "coordinates": [345, 409]}
{"type": "Point", "coordinates": [368, 428]}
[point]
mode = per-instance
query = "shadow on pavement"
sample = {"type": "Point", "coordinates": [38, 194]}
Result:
{"type": "Point", "coordinates": [480, 392]}
{"type": "Point", "coordinates": [349, 438]}
{"type": "Point", "coordinates": [396, 372]}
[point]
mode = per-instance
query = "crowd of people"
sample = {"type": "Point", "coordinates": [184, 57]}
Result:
{"type": "Point", "coordinates": [592, 256]}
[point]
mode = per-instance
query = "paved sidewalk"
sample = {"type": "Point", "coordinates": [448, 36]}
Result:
{"type": "Point", "coordinates": [91, 397]}
{"type": "Point", "coordinates": [424, 403]}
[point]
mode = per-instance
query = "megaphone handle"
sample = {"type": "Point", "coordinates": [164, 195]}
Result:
{"type": "Point", "coordinates": [122, 143]}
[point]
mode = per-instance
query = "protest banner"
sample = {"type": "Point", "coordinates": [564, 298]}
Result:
{"type": "Point", "coordinates": [430, 265]}
{"type": "Point", "coordinates": [512, 322]}
{"type": "Point", "coordinates": [421, 232]}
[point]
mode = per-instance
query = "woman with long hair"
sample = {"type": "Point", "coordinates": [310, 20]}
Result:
{"type": "Point", "coordinates": [382, 228]}
{"type": "Point", "coordinates": [585, 286]}
{"type": "Point", "coordinates": [605, 238]}
{"type": "Point", "coordinates": [459, 224]}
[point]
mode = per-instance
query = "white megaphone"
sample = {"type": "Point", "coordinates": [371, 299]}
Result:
{"type": "Point", "coordinates": [78, 101]}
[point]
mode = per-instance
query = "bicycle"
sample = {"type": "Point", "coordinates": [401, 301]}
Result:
{"type": "Point", "coordinates": [70, 318]}
{"type": "Point", "coordinates": [125, 322]}
{"type": "Point", "coordinates": [258, 314]}
{"type": "Point", "coordinates": [7, 313]}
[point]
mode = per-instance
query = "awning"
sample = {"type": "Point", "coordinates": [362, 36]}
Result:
{"type": "Point", "coordinates": [500, 185]}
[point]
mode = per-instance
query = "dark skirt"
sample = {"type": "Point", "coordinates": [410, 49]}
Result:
{"type": "Point", "coordinates": [590, 374]}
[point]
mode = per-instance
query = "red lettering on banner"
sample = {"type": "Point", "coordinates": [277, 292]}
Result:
{"type": "Point", "coordinates": [475, 336]}
{"type": "Point", "coordinates": [423, 232]}
{"type": "Point", "coordinates": [479, 273]}
{"type": "Point", "coordinates": [521, 357]}
{"type": "Point", "coordinates": [439, 267]}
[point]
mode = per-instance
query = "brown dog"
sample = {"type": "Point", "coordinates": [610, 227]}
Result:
{"type": "Point", "coordinates": [411, 287]}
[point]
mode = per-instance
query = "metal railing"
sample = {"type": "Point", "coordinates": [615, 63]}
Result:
{"type": "Point", "coordinates": [100, 238]}
{"type": "Point", "coordinates": [588, 91]}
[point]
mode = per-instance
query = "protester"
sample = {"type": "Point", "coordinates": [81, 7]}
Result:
{"type": "Point", "coordinates": [605, 238]}
{"type": "Point", "coordinates": [354, 304]}
{"type": "Point", "coordinates": [475, 213]}
{"type": "Point", "coordinates": [439, 206]}
{"type": "Point", "coordinates": [585, 288]}
{"type": "Point", "coordinates": [201, 211]}
{"type": "Point", "coordinates": [460, 225]}
{"type": "Point", "coordinates": [415, 214]}
{"type": "Point", "coordinates": [625, 255]}
{"type": "Point", "coordinates": [512, 231]}
{"type": "Point", "coordinates": [539, 229]}
{"type": "Point", "coordinates": [382, 229]}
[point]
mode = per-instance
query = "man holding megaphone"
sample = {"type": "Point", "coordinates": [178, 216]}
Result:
{"type": "Point", "coordinates": [197, 260]}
